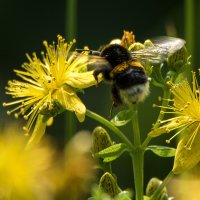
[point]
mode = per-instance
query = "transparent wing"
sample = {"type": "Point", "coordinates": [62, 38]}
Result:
{"type": "Point", "coordinates": [162, 47]}
{"type": "Point", "coordinates": [94, 61]}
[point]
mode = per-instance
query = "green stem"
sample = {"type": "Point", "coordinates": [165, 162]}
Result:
{"type": "Point", "coordinates": [190, 28]}
{"type": "Point", "coordinates": [71, 19]}
{"type": "Point", "coordinates": [156, 194]}
{"type": "Point", "coordinates": [137, 157]}
{"type": "Point", "coordinates": [146, 142]}
{"type": "Point", "coordinates": [107, 167]}
{"type": "Point", "coordinates": [138, 167]}
{"type": "Point", "coordinates": [109, 125]}
{"type": "Point", "coordinates": [136, 130]}
{"type": "Point", "coordinates": [70, 127]}
{"type": "Point", "coordinates": [71, 31]}
{"type": "Point", "coordinates": [165, 102]}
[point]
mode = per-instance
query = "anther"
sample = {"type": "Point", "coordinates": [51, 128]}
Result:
{"type": "Point", "coordinates": [8, 112]}
{"type": "Point", "coordinates": [16, 115]}
{"type": "Point", "coordinates": [25, 129]}
{"type": "Point", "coordinates": [25, 117]}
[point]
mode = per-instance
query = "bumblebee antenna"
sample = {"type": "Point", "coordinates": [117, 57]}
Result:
{"type": "Point", "coordinates": [92, 52]}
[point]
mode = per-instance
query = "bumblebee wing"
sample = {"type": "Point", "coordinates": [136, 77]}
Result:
{"type": "Point", "coordinates": [93, 61]}
{"type": "Point", "coordinates": [160, 49]}
{"type": "Point", "coordinates": [97, 62]}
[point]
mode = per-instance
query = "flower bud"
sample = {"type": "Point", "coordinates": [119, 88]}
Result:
{"type": "Point", "coordinates": [108, 184]}
{"type": "Point", "coordinates": [152, 185]}
{"type": "Point", "coordinates": [148, 43]}
{"type": "Point", "coordinates": [136, 46]}
{"type": "Point", "coordinates": [127, 39]}
{"type": "Point", "coordinates": [178, 61]}
{"type": "Point", "coordinates": [101, 140]}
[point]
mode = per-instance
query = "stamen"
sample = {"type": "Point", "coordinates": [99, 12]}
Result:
{"type": "Point", "coordinates": [14, 109]}
{"type": "Point", "coordinates": [25, 117]}
{"type": "Point", "coordinates": [13, 102]}
{"type": "Point", "coordinates": [169, 140]}
{"type": "Point", "coordinates": [169, 83]}
{"type": "Point", "coordinates": [171, 119]}
{"type": "Point", "coordinates": [25, 129]}
{"type": "Point", "coordinates": [164, 99]}
{"type": "Point", "coordinates": [16, 115]}
{"type": "Point", "coordinates": [188, 145]}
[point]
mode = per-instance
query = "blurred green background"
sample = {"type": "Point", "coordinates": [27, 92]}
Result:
{"type": "Point", "coordinates": [25, 24]}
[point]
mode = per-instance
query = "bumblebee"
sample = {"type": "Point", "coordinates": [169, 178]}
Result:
{"type": "Point", "coordinates": [127, 75]}
{"type": "Point", "coordinates": [124, 68]}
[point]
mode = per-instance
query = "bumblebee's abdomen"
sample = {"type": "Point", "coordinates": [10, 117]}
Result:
{"type": "Point", "coordinates": [130, 77]}
{"type": "Point", "coordinates": [135, 93]}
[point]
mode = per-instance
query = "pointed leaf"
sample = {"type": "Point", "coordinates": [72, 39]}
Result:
{"type": "Point", "coordinates": [162, 151]}
{"type": "Point", "coordinates": [113, 152]}
{"type": "Point", "coordinates": [122, 118]}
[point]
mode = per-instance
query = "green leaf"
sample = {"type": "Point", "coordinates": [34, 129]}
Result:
{"type": "Point", "coordinates": [113, 152]}
{"type": "Point", "coordinates": [162, 151]}
{"type": "Point", "coordinates": [122, 118]}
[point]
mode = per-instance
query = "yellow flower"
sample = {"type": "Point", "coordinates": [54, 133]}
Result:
{"type": "Point", "coordinates": [74, 171]}
{"type": "Point", "coordinates": [49, 86]}
{"type": "Point", "coordinates": [186, 118]}
{"type": "Point", "coordinates": [40, 172]}
{"type": "Point", "coordinates": [186, 186]}
{"type": "Point", "coordinates": [185, 110]}
{"type": "Point", "coordinates": [22, 171]}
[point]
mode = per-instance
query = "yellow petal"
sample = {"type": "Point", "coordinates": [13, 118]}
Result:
{"type": "Point", "coordinates": [171, 124]}
{"type": "Point", "coordinates": [68, 99]}
{"type": "Point", "coordinates": [81, 80]}
{"type": "Point", "coordinates": [186, 158]}
{"type": "Point", "coordinates": [163, 129]}
{"type": "Point", "coordinates": [39, 131]}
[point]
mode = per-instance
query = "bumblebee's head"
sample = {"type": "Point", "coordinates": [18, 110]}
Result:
{"type": "Point", "coordinates": [115, 54]}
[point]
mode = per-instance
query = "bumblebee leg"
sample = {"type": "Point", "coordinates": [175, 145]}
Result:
{"type": "Point", "coordinates": [115, 96]}
{"type": "Point", "coordinates": [116, 100]}
{"type": "Point", "coordinates": [104, 70]}
{"type": "Point", "coordinates": [96, 73]}
{"type": "Point", "coordinates": [111, 109]}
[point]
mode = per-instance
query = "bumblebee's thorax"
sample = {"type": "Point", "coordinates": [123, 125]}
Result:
{"type": "Point", "coordinates": [115, 54]}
